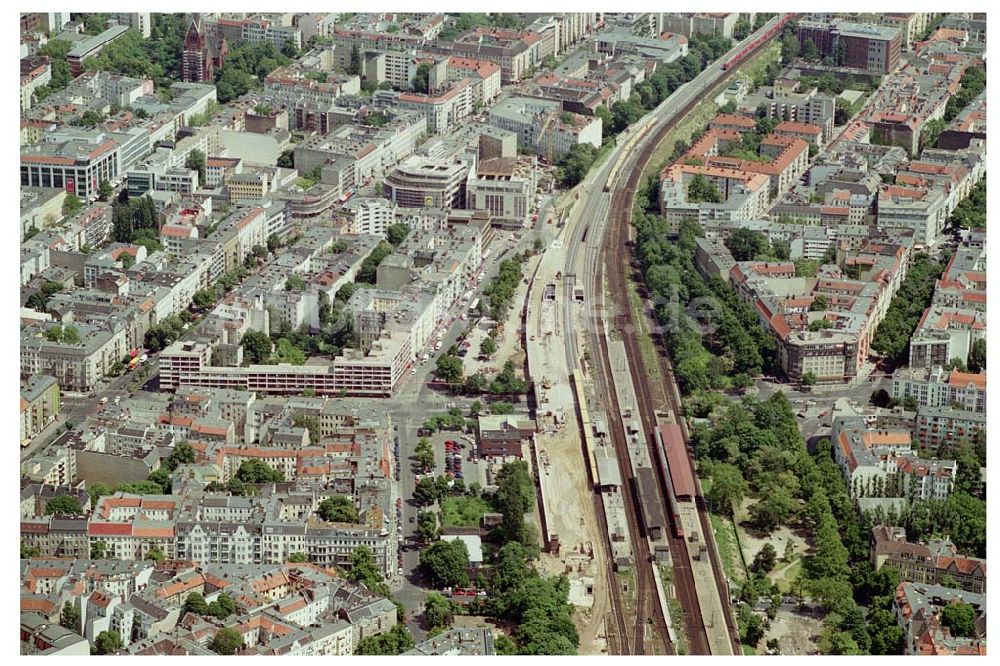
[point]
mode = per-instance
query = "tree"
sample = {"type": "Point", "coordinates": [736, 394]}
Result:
{"type": "Point", "coordinates": [449, 369]}
{"type": "Point", "coordinates": [833, 641]}
{"type": "Point", "coordinates": [226, 642]}
{"type": "Point", "coordinates": [258, 471]}
{"type": "Point", "coordinates": [746, 244]}
{"type": "Point", "coordinates": [421, 81]}
{"type": "Point", "coordinates": [195, 603]}
{"type": "Point", "coordinates": [426, 490]}
{"type": "Point", "coordinates": [574, 165]}
{"type": "Point", "coordinates": [501, 407]}
{"type": "Point", "coordinates": [701, 190]}
{"type": "Point", "coordinates": [438, 611]}
{"type": "Point", "coordinates": [425, 455]}
{"type": "Point", "coordinates": [880, 398]}
{"type": "Point", "coordinates": [204, 298]}
{"type": "Point", "coordinates": [488, 347]}
{"type": "Point", "coordinates": [427, 525]}
{"type": "Point", "coordinates": [27, 552]}
{"type": "Point", "coordinates": [819, 303]}
{"type": "Point", "coordinates": [89, 118]}
{"type": "Point", "coordinates": [287, 159]}
{"type": "Point", "coordinates": [64, 504]}
{"type": "Point", "coordinates": [445, 563]}
{"type": "Point", "coordinates": [196, 162]}
{"type": "Point", "coordinates": [107, 642]}
{"type": "Point", "coordinates": [396, 233]}
{"type": "Point", "coordinates": [808, 378]}
{"type": "Point", "coordinates": [71, 205]}
{"type": "Point", "coordinates": [751, 626]}
{"type": "Point", "coordinates": [515, 496]}
{"type": "Point", "coordinates": [395, 641]}
{"type": "Point", "coordinates": [298, 557]}
{"type": "Point", "coordinates": [256, 346]}
{"type": "Point", "coordinates": [98, 550]}
{"type": "Point", "coordinates": [155, 554]}
{"type": "Point", "coordinates": [789, 47]}
{"type": "Point", "coordinates": [776, 507]}
{"type": "Point", "coordinates": [809, 51]}
{"type": "Point", "coordinates": [977, 356]}
{"type": "Point", "coordinates": [765, 559]}
{"type": "Point", "coordinates": [70, 617]}
{"type": "Point", "coordinates": [364, 570]}
{"type": "Point", "coordinates": [960, 618]}
{"type": "Point", "coordinates": [338, 509]}
{"type": "Point", "coordinates": [105, 190]}
{"type": "Point", "coordinates": [222, 607]}
{"type": "Point", "coordinates": [728, 488]}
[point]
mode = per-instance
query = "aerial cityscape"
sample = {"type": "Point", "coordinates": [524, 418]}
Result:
{"type": "Point", "coordinates": [503, 334]}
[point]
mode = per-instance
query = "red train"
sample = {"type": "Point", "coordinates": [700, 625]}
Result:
{"type": "Point", "coordinates": [749, 48]}
{"type": "Point", "coordinates": [671, 456]}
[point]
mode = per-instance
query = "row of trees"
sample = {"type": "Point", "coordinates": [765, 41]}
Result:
{"type": "Point", "coordinates": [135, 221]}
{"type": "Point", "coordinates": [970, 213]}
{"type": "Point", "coordinates": [892, 338]}
{"type": "Point", "coordinates": [755, 449]}
{"type": "Point", "coordinates": [714, 338]}
{"type": "Point", "coordinates": [973, 84]}
{"type": "Point", "coordinates": [500, 291]}
{"type": "Point", "coordinates": [367, 272]}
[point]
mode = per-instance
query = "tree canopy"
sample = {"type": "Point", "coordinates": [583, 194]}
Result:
{"type": "Point", "coordinates": [445, 563]}
{"type": "Point", "coordinates": [338, 509]}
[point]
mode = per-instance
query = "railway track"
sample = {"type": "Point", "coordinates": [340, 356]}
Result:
{"type": "Point", "coordinates": [645, 605]}
{"type": "Point", "coordinates": [649, 394]}
{"type": "Point", "coordinates": [616, 629]}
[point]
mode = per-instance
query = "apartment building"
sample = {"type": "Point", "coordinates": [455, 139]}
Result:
{"type": "Point", "coordinates": [354, 373]}
{"type": "Point", "coordinates": [36, 71]}
{"type": "Point", "coordinates": [926, 563]}
{"type": "Point", "coordinates": [485, 77]}
{"type": "Point", "coordinates": [444, 108]}
{"type": "Point", "coordinates": [918, 609]}
{"type": "Point", "coordinates": [39, 405]}
{"type": "Point", "coordinates": [540, 125]}
{"type": "Point", "coordinates": [936, 387]}
{"type": "Point", "coordinates": [515, 52]}
{"type": "Point", "coordinates": [812, 134]}
{"type": "Point", "coordinates": [944, 334]}
{"type": "Point", "coordinates": [369, 215]}
{"type": "Point", "coordinates": [798, 106]}
{"type": "Point", "coordinates": [869, 457]}
{"type": "Point", "coordinates": [76, 366]}
{"type": "Point", "coordinates": [935, 426]}
{"type": "Point", "coordinates": [258, 31]}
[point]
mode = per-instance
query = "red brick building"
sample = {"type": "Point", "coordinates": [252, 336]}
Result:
{"type": "Point", "coordinates": [202, 54]}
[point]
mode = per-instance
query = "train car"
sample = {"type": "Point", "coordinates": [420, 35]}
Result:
{"type": "Point", "coordinates": [749, 48]}
{"type": "Point", "coordinates": [661, 461]}
{"type": "Point", "coordinates": [672, 458]}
